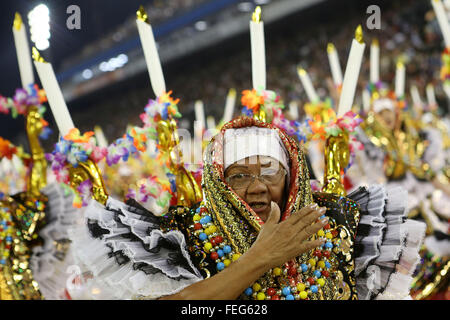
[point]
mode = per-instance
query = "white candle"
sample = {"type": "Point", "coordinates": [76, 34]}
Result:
{"type": "Point", "coordinates": [415, 95]}
{"type": "Point", "coordinates": [150, 53]}
{"type": "Point", "coordinates": [374, 61]}
{"type": "Point", "coordinates": [351, 73]}
{"type": "Point", "coordinates": [200, 113]}
{"type": "Point", "coordinates": [336, 71]}
{"type": "Point", "coordinates": [293, 109]}
{"type": "Point", "coordinates": [101, 139]}
{"type": "Point", "coordinates": [198, 131]}
{"type": "Point", "coordinates": [366, 100]}
{"type": "Point", "coordinates": [430, 95]}
{"type": "Point", "coordinates": [446, 88]}
{"type": "Point", "coordinates": [307, 84]}
{"type": "Point", "coordinates": [23, 52]}
{"type": "Point", "coordinates": [229, 105]}
{"type": "Point", "coordinates": [211, 123]}
{"type": "Point", "coordinates": [442, 20]}
{"type": "Point", "coordinates": [258, 50]}
{"type": "Point", "coordinates": [54, 95]}
{"type": "Point", "coordinates": [400, 80]}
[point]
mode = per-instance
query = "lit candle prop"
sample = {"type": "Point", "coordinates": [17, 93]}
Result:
{"type": "Point", "coordinates": [366, 100]}
{"type": "Point", "coordinates": [211, 123]}
{"type": "Point", "coordinates": [374, 61]}
{"type": "Point", "coordinates": [293, 109]}
{"type": "Point", "coordinates": [417, 101]}
{"type": "Point", "coordinates": [351, 73]}
{"type": "Point", "coordinates": [150, 53]}
{"type": "Point", "coordinates": [101, 139]}
{"type": "Point", "coordinates": [229, 105]}
{"type": "Point", "coordinates": [336, 71]}
{"type": "Point", "coordinates": [307, 84]}
{"type": "Point", "coordinates": [430, 95]}
{"type": "Point", "coordinates": [400, 80]}
{"type": "Point", "coordinates": [53, 93]}
{"type": "Point", "coordinates": [258, 50]}
{"type": "Point", "coordinates": [442, 20]}
{"type": "Point", "coordinates": [23, 52]}
{"type": "Point", "coordinates": [200, 113]}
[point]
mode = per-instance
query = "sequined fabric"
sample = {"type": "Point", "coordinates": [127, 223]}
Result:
{"type": "Point", "coordinates": [20, 218]}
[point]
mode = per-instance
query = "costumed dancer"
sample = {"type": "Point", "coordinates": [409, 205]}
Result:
{"type": "Point", "coordinates": [228, 242]}
{"type": "Point", "coordinates": [432, 278]}
{"type": "Point", "coordinates": [33, 220]}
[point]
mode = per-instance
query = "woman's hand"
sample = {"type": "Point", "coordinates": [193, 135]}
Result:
{"type": "Point", "coordinates": [279, 242]}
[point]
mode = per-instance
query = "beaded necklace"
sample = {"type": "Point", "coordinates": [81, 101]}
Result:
{"type": "Point", "coordinates": [293, 280]}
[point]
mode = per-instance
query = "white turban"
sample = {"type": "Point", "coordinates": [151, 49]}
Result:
{"type": "Point", "coordinates": [253, 141]}
{"type": "Point", "coordinates": [383, 104]}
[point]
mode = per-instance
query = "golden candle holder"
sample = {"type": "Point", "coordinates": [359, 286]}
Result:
{"type": "Point", "coordinates": [337, 157]}
{"type": "Point", "coordinates": [188, 191]}
{"type": "Point", "coordinates": [89, 170]}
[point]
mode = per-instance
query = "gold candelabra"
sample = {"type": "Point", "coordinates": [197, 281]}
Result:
{"type": "Point", "coordinates": [337, 156]}
{"type": "Point", "coordinates": [188, 191]}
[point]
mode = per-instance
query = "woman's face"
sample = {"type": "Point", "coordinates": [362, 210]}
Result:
{"type": "Point", "coordinates": [388, 117]}
{"type": "Point", "coordinates": [258, 193]}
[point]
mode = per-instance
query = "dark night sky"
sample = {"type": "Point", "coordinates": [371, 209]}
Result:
{"type": "Point", "coordinates": [98, 17]}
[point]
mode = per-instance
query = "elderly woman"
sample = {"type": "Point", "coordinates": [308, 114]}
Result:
{"type": "Point", "coordinates": [256, 234]}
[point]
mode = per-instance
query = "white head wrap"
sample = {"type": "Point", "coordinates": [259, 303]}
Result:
{"type": "Point", "coordinates": [382, 104]}
{"type": "Point", "coordinates": [253, 141]}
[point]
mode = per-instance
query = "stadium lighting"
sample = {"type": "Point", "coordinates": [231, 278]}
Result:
{"type": "Point", "coordinates": [245, 6]}
{"type": "Point", "coordinates": [39, 22]}
{"type": "Point", "coordinates": [87, 74]}
{"type": "Point", "coordinates": [114, 63]}
{"type": "Point", "coordinates": [201, 25]}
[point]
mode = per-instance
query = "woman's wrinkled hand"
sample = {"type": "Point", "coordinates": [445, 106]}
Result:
{"type": "Point", "coordinates": [279, 242]}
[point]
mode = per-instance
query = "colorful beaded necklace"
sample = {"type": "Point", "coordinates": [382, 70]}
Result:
{"type": "Point", "coordinates": [292, 281]}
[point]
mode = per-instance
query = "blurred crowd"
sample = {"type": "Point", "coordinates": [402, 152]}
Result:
{"type": "Point", "coordinates": [158, 11]}
{"type": "Point", "coordinates": [408, 30]}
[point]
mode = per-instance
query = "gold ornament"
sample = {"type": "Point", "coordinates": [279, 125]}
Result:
{"type": "Point", "coordinates": [256, 16]}
{"type": "Point", "coordinates": [38, 173]}
{"type": "Point", "coordinates": [17, 21]}
{"type": "Point", "coordinates": [88, 170]}
{"type": "Point", "coordinates": [337, 156]}
{"type": "Point", "coordinates": [188, 191]}
{"type": "Point", "coordinates": [141, 14]}
{"type": "Point", "coordinates": [36, 55]}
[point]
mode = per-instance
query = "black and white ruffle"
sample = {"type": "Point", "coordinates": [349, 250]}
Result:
{"type": "Point", "coordinates": [128, 255]}
{"type": "Point", "coordinates": [51, 261]}
{"type": "Point", "coordinates": [387, 244]}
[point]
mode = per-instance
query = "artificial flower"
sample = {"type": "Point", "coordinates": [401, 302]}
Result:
{"type": "Point", "coordinates": [252, 100]}
{"type": "Point", "coordinates": [74, 136]}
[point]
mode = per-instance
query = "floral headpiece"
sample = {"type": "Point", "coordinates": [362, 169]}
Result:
{"type": "Point", "coordinates": [24, 99]}
{"type": "Point", "coordinates": [260, 101]}
{"type": "Point", "coordinates": [267, 106]}
{"type": "Point", "coordinates": [380, 90]}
